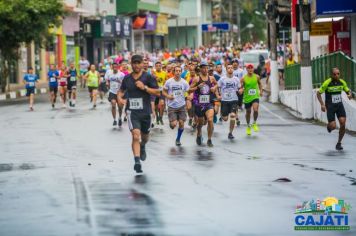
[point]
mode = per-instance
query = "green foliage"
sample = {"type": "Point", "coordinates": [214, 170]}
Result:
{"type": "Point", "coordinates": [248, 15]}
{"type": "Point", "coordinates": [24, 21]}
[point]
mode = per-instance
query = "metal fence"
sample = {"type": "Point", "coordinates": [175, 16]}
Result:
{"type": "Point", "coordinates": [292, 77]}
{"type": "Point", "coordinates": [321, 70]}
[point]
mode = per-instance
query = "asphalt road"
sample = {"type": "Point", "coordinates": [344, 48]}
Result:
{"type": "Point", "coordinates": [68, 172]}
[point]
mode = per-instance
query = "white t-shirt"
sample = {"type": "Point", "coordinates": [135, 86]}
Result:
{"type": "Point", "coordinates": [239, 73]}
{"type": "Point", "coordinates": [177, 88]}
{"type": "Point", "coordinates": [228, 88]}
{"type": "Point", "coordinates": [84, 65]}
{"type": "Point", "coordinates": [115, 80]}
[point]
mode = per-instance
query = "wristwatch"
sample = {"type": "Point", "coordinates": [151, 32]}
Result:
{"type": "Point", "coordinates": [145, 88]}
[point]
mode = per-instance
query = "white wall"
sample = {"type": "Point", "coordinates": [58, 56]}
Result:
{"type": "Point", "coordinates": [318, 45]}
{"type": "Point", "coordinates": [104, 5]}
{"type": "Point", "coordinates": [292, 99]}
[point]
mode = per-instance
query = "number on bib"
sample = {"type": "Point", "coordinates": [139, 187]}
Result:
{"type": "Point", "coordinates": [136, 103]}
{"type": "Point", "coordinates": [204, 99]}
{"type": "Point", "coordinates": [52, 79]}
{"type": "Point", "coordinates": [228, 95]}
{"type": "Point", "coordinates": [177, 93]}
{"type": "Point", "coordinates": [31, 84]}
{"type": "Point", "coordinates": [63, 79]}
{"type": "Point", "coordinates": [72, 79]}
{"type": "Point", "coordinates": [252, 92]}
{"type": "Point", "coordinates": [336, 98]}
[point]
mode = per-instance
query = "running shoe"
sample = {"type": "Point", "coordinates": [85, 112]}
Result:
{"type": "Point", "coordinates": [31, 108]}
{"type": "Point", "coordinates": [339, 147]}
{"type": "Point", "coordinates": [138, 167]}
{"type": "Point", "coordinates": [70, 103]}
{"type": "Point", "coordinates": [120, 122]}
{"type": "Point", "coordinates": [94, 106]}
{"type": "Point", "coordinates": [115, 123]}
{"type": "Point", "coordinates": [199, 140]}
{"type": "Point", "coordinates": [143, 153]}
{"type": "Point", "coordinates": [328, 128]}
{"type": "Point", "coordinates": [209, 143]}
{"type": "Point", "coordinates": [152, 125]}
{"type": "Point", "coordinates": [255, 127]}
{"type": "Point", "coordinates": [238, 122]}
{"type": "Point", "coordinates": [178, 143]}
{"type": "Point", "coordinates": [125, 119]}
{"type": "Point", "coordinates": [52, 105]}
{"type": "Point", "coordinates": [248, 130]}
{"type": "Point", "coordinates": [220, 119]}
{"type": "Point", "coordinates": [230, 136]}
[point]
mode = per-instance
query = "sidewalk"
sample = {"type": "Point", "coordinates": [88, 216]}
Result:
{"type": "Point", "coordinates": [41, 88]}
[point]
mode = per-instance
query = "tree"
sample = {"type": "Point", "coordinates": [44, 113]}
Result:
{"type": "Point", "coordinates": [24, 21]}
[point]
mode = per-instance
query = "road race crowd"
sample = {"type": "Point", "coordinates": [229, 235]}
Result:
{"type": "Point", "coordinates": [199, 86]}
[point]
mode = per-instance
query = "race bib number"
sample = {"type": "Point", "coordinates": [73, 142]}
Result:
{"type": "Point", "coordinates": [136, 103]}
{"type": "Point", "coordinates": [177, 93]}
{"type": "Point", "coordinates": [31, 84]}
{"type": "Point", "coordinates": [336, 98]}
{"type": "Point", "coordinates": [252, 92]}
{"type": "Point", "coordinates": [114, 85]}
{"type": "Point", "coordinates": [228, 95]}
{"type": "Point", "coordinates": [204, 99]}
{"type": "Point", "coordinates": [63, 79]}
{"type": "Point", "coordinates": [52, 79]}
{"type": "Point", "coordinates": [72, 79]}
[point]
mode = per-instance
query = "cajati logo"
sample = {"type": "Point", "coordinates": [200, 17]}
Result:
{"type": "Point", "coordinates": [328, 214]}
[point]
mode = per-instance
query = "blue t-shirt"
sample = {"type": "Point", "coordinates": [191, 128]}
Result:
{"type": "Point", "coordinates": [52, 79]}
{"type": "Point", "coordinates": [30, 80]}
{"type": "Point", "coordinates": [184, 74]}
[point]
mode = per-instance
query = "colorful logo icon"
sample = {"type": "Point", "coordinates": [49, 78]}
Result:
{"type": "Point", "coordinates": [328, 214]}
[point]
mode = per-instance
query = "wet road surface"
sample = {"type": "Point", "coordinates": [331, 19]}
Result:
{"type": "Point", "coordinates": [68, 172]}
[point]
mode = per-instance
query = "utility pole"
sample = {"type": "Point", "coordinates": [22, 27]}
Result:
{"type": "Point", "coordinates": [272, 13]}
{"type": "Point", "coordinates": [238, 12]}
{"type": "Point", "coordinates": [305, 69]}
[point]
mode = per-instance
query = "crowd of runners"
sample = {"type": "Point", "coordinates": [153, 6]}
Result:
{"type": "Point", "coordinates": [200, 87]}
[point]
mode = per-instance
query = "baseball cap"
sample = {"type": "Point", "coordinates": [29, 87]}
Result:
{"type": "Point", "coordinates": [136, 58]}
{"type": "Point", "coordinates": [249, 66]}
{"type": "Point", "coordinates": [203, 64]}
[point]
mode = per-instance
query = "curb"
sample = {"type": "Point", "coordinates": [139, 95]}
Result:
{"type": "Point", "coordinates": [20, 93]}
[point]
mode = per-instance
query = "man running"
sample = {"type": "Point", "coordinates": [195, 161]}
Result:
{"type": "Point", "coordinates": [252, 88]}
{"type": "Point", "coordinates": [92, 78]}
{"type": "Point", "coordinates": [239, 73]}
{"type": "Point", "coordinates": [161, 77]}
{"type": "Point", "coordinates": [174, 90]}
{"type": "Point", "coordinates": [63, 82]}
{"type": "Point", "coordinates": [204, 87]}
{"type": "Point", "coordinates": [114, 79]}
{"type": "Point", "coordinates": [72, 84]}
{"type": "Point", "coordinates": [228, 88]}
{"type": "Point", "coordinates": [103, 89]}
{"type": "Point", "coordinates": [333, 88]}
{"type": "Point", "coordinates": [83, 67]}
{"type": "Point", "coordinates": [30, 80]}
{"type": "Point", "coordinates": [139, 86]}
{"type": "Point", "coordinates": [53, 76]}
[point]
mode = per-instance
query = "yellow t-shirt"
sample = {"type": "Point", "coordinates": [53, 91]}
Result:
{"type": "Point", "coordinates": [290, 62]}
{"type": "Point", "coordinates": [161, 77]}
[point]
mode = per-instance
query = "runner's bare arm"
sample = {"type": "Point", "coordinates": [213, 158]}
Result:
{"type": "Point", "coordinates": [259, 84]}
{"type": "Point", "coordinates": [241, 90]}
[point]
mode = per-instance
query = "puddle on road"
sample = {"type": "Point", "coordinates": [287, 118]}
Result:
{"type": "Point", "coordinates": [125, 212]}
{"type": "Point", "coordinates": [177, 152]}
{"type": "Point", "coordinates": [4, 167]}
{"type": "Point", "coordinates": [203, 155]}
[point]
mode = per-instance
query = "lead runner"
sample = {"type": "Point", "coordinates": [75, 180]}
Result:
{"type": "Point", "coordinates": [139, 86]}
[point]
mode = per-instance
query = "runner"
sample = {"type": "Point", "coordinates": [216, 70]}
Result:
{"type": "Point", "coordinates": [228, 89]}
{"type": "Point", "coordinates": [333, 88]}
{"type": "Point", "coordinates": [83, 67]}
{"type": "Point", "coordinates": [139, 86]}
{"type": "Point", "coordinates": [53, 76]}
{"type": "Point", "coordinates": [252, 88]}
{"type": "Point", "coordinates": [72, 84]}
{"type": "Point", "coordinates": [153, 98]}
{"type": "Point", "coordinates": [63, 75]}
{"type": "Point", "coordinates": [114, 79]}
{"type": "Point", "coordinates": [204, 87]}
{"type": "Point", "coordinates": [161, 77]}
{"type": "Point", "coordinates": [93, 83]}
{"type": "Point", "coordinates": [174, 90]}
{"type": "Point", "coordinates": [103, 89]}
{"type": "Point", "coordinates": [30, 80]}
{"type": "Point", "coordinates": [239, 73]}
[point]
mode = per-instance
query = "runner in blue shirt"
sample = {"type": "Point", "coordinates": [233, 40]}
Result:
{"type": "Point", "coordinates": [53, 76]}
{"type": "Point", "coordinates": [30, 80]}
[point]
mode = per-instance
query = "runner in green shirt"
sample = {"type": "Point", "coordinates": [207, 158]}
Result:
{"type": "Point", "coordinates": [252, 88]}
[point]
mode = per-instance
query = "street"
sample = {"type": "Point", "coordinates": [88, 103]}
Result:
{"type": "Point", "coordinates": [69, 172]}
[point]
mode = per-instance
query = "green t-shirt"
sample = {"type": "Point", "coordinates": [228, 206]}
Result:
{"type": "Point", "coordinates": [251, 88]}
{"type": "Point", "coordinates": [332, 89]}
{"type": "Point", "coordinates": [93, 79]}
